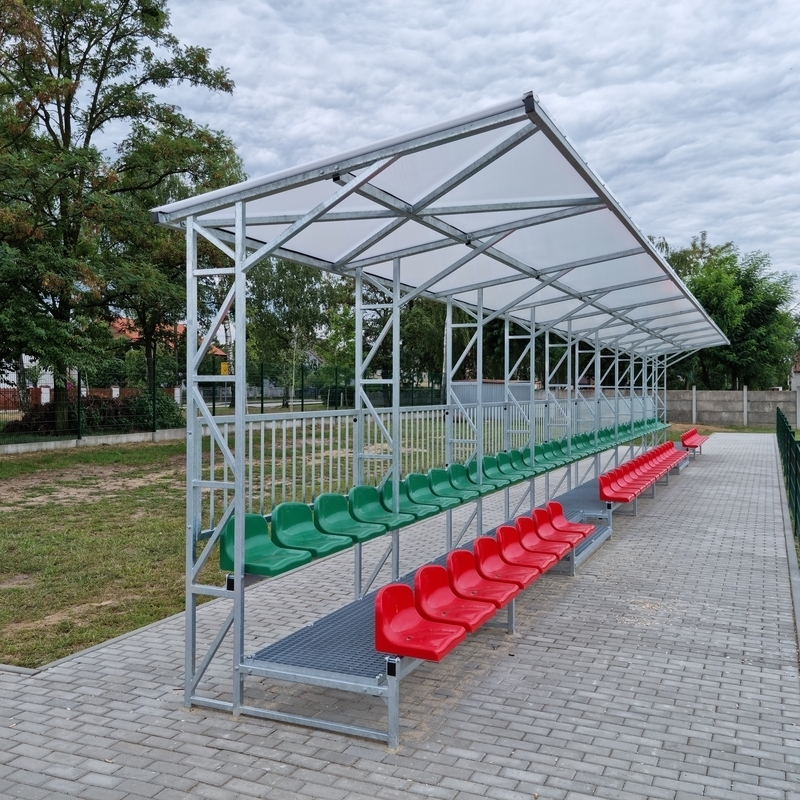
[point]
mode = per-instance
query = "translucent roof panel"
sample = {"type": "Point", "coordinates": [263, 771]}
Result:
{"type": "Point", "coordinates": [495, 208]}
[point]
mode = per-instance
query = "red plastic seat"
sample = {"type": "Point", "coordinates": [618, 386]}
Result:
{"type": "Point", "coordinates": [491, 567]}
{"type": "Point", "coordinates": [530, 540]}
{"type": "Point", "coordinates": [611, 495]}
{"type": "Point", "coordinates": [467, 583]}
{"type": "Point", "coordinates": [401, 631]}
{"type": "Point", "coordinates": [436, 601]}
{"type": "Point", "coordinates": [557, 519]}
{"type": "Point", "coordinates": [514, 553]}
{"type": "Point", "coordinates": [544, 530]}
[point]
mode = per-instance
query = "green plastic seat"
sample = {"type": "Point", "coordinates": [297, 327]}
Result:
{"type": "Point", "coordinates": [439, 482]}
{"type": "Point", "coordinates": [493, 472]}
{"type": "Point", "coordinates": [536, 461]}
{"type": "Point", "coordinates": [497, 483]}
{"type": "Point", "coordinates": [293, 526]}
{"type": "Point", "coordinates": [419, 491]}
{"type": "Point", "coordinates": [460, 480]}
{"type": "Point", "coordinates": [519, 464]}
{"type": "Point", "coordinates": [261, 555]}
{"type": "Point", "coordinates": [407, 506]}
{"type": "Point", "coordinates": [365, 506]}
{"type": "Point", "coordinates": [331, 515]}
{"type": "Point", "coordinates": [503, 461]}
{"type": "Point", "coordinates": [552, 456]}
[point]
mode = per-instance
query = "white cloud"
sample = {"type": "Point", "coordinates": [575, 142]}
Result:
{"type": "Point", "coordinates": [689, 111]}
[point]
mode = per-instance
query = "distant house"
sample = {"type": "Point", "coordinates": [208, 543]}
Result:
{"type": "Point", "coordinates": [122, 326]}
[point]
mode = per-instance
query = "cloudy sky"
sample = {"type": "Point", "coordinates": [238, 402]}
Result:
{"type": "Point", "coordinates": [690, 111]}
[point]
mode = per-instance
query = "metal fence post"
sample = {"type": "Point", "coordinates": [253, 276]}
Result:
{"type": "Point", "coordinates": [153, 394]}
{"type": "Point", "coordinates": [262, 387]}
{"type": "Point", "coordinates": [80, 425]}
{"type": "Point", "coordinates": [302, 387]}
{"type": "Point", "coordinates": [744, 405]}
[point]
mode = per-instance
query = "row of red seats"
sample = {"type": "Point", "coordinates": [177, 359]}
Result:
{"type": "Point", "coordinates": [447, 603]}
{"type": "Point", "coordinates": [625, 483]}
{"type": "Point", "coordinates": [692, 440]}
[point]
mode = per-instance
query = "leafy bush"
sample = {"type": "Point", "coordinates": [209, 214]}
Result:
{"type": "Point", "coordinates": [103, 415]}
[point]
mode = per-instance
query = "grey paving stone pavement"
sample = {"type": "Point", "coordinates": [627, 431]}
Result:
{"type": "Point", "coordinates": [667, 668]}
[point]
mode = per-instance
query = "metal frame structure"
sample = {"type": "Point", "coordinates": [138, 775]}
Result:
{"type": "Point", "coordinates": [494, 214]}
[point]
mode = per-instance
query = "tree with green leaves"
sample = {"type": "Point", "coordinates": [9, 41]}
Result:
{"type": "Point", "coordinates": [751, 304]}
{"type": "Point", "coordinates": [71, 71]}
{"type": "Point", "coordinates": [285, 308]}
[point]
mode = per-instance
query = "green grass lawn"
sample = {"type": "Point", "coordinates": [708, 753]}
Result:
{"type": "Point", "coordinates": [93, 546]}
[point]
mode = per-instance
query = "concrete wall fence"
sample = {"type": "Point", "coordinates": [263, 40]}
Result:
{"type": "Point", "coordinates": [743, 409]}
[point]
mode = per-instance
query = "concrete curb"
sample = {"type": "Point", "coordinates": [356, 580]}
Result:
{"type": "Point", "coordinates": [167, 434]}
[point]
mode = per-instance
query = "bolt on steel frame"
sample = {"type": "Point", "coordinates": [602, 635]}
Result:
{"type": "Point", "coordinates": [455, 213]}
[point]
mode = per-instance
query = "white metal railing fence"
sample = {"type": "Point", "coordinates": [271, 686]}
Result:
{"type": "Point", "coordinates": [296, 457]}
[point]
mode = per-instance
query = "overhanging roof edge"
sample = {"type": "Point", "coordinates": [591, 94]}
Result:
{"type": "Point", "coordinates": [542, 119]}
{"type": "Point", "coordinates": [181, 209]}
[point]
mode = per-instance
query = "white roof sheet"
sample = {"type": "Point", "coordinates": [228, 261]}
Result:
{"type": "Point", "coordinates": [498, 201]}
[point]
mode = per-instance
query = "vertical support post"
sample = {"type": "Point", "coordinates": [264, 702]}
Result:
{"type": "Point", "coordinates": [744, 405]}
{"type": "Point", "coordinates": [598, 375]}
{"type": "Point", "coordinates": [193, 464]}
{"type": "Point", "coordinates": [358, 413]}
{"type": "Point", "coordinates": [532, 436]}
{"type": "Point", "coordinates": [262, 387]}
{"type": "Point", "coordinates": [396, 434]}
{"type": "Point", "coordinates": [632, 387]}
{"type": "Point", "coordinates": [302, 387]}
{"type": "Point", "coordinates": [694, 405]}
{"type": "Point", "coordinates": [154, 386]}
{"type": "Point", "coordinates": [569, 401]}
{"type": "Point", "coordinates": [79, 408]}
{"type": "Point", "coordinates": [616, 393]}
{"type": "Point", "coordinates": [240, 415]}
{"type": "Point", "coordinates": [448, 378]}
{"type": "Point", "coordinates": [393, 700]}
{"type": "Point", "coordinates": [506, 381]}
{"type": "Point", "coordinates": [547, 404]}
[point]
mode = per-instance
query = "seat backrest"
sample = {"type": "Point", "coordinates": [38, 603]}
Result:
{"type": "Point", "coordinates": [504, 460]}
{"type": "Point", "coordinates": [330, 507]}
{"type": "Point", "coordinates": [541, 521]}
{"type": "Point", "coordinates": [490, 466]}
{"type": "Point", "coordinates": [255, 527]}
{"type": "Point", "coordinates": [439, 479]}
{"type": "Point", "coordinates": [459, 563]}
{"type": "Point", "coordinates": [291, 516]}
{"type": "Point", "coordinates": [428, 580]}
{"type": "Point", "coordinates": [507, 536]}
{"type": "Point", "coordinates": [485, 547]}
{"type": "Point", "coordinates": [386, 494]}
{"type": "Point", "coordinates": [365, 498]}
{"type": "Point", "coordinates": [554, 509]}
{"type": "Point", "coordinates": [416, 482]}
{"type": "Point", "coordinates": [524, 525]}
{"type": "Point", "coordinates": [392, 602]}
{"type": "Point", "coordinates": [457, 474]}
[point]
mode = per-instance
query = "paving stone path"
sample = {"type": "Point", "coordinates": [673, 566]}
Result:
{"type": "Point", "coordinates": [667, 668]}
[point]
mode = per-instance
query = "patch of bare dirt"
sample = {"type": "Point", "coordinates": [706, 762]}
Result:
{"type": "Point", "coordinates": [17, 582]}
{"type": "Point", "coordinates": [74, 614]}
{"type": "Point", "coordinates": [90, 485]}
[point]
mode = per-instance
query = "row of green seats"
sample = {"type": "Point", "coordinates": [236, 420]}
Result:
{"type": "Point", "coordinates": [296, 534]}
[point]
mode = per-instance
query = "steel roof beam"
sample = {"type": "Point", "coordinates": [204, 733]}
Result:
{"type": "Point", "coordinates": [257, 188]}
